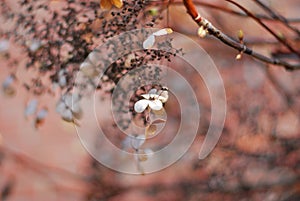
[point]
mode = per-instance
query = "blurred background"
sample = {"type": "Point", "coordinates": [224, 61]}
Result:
{"type": "Point", "coordinates": [256, 158]}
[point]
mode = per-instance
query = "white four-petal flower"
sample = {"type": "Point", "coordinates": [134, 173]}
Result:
{"type": "Point", "coordinates": [154, 99]}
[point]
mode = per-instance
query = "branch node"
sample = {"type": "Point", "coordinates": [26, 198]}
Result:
{"type": "Point", "coordinates": [198, 18]}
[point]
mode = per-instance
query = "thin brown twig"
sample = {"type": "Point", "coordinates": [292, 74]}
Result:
{"type": "Point", "coordinates": [280, 39]}
{"type": "Point", "coordinates": [233, 12]}
{"type": "Point", "coordinates": [276, 16]}
{"type": "Point", "coordinates": [212, 30]}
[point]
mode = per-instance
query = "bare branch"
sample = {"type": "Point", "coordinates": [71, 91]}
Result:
{"type": "Point", "coordinates": [241, 14]}
{"type": "Point", "coordinates": [192, 11]}
{"type": "Point", "coordinates": [276, 16]}
{"type": "Point", "coordinates": [280, 39]}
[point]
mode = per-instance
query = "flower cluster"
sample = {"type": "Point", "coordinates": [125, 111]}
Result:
{"type": "Point", "coordinates": [152, 101]}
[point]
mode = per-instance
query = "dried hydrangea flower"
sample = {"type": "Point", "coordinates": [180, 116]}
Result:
{"type": "Point", "coordinates": [154, 99]}
{"type": "Point", "coordinates": [68, 107]}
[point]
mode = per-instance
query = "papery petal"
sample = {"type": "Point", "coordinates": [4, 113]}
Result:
{"type": "Point", "coordinates": [202, 32]}
{"type": "Point", "coordinates": [105, 4]}
{"type": "Point", "coordinates": [145, 154]}
{"type": "Point", "coordinates": [138, 141]}
{"type": "Point", "coordinates": [8, 81]}
{"type": "Point", "coordinates": [9, 91]}
{"type": "Point", "coordinates": [141, 105]}
{"type": "Point", "coordinates": [158, 121]}
{"type": "Point", "coordinates": [146, 96]}
{"type": "Point", "coordinates": [128, 60]}
{"type": "Point", "coordinates": [31, 107]}
{"type": "Point", "coordinates": [88, 69]}
{"type": "Point", "coordinates": [155, 105]}
{"type": "Point", "coordinates": [7, 87]}
{"type": "Point", "coordinates": [162, 32]}
{"type": "Point", "coordinates": [35, 45]}
{"type": "Point", "coordinates": [152, 91]}
{"type": "Point", "coordinates": [40, 117]}
{"type": "Point", "coordinates": [150, 96]}
{"type": "Point", "coordinates": [77, 111]}
{"type": "Point", "coordinates": [126, 143]}
{"type": "Point", "coordinates": [4, 45]}
{"type": "Point", "coordinates": [60, 107]}
{"type": "Point", "coordinates": [150, 130]}
{"type": "Point", "coordinates": [163, 96]}
{"type": "Point", "coordinates": [67, 99]}
{"type": "Point", "coordinates": [76, 97]}
{"type": "Point", "coordinates": [71, 99]}
{"type": "Point", "coordinates": [149, 42]}
{"type": "Point", "coordinates": [117, 3]}
{"type": "Point", "coordinates": [163, 99]}
{"type": "Point", "coordinates": [67, 115]}
{"type": "Point", "coordinates": [42, 114]}
{"type": "Point", "coordinates": [62, 81]}
{"type": "Point", "coordinates": [149, 152]}
{"type": "Point", "coordinates": [160, 112]}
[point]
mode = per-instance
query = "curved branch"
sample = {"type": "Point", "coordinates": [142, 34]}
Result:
{"type": "Point", "coordinates": [277, 17]}
{"type": "Point", "coordinates": [280, 39]}
{"type": "Point", "coordinates": [233, 12]}
{"type": "Point", "coordinates": [202, 22]}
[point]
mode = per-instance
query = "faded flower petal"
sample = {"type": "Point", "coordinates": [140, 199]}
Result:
{"type": "Point", "coordinates": [34, 45]}
{"type": "Point", "coordinates": [7, 85]}
{"type": "Point", "coordinates": [60, 106]}
{"type": "Point", "coordinates": [69, 108]}
{"type": "Point", "coordinates": [76, 97]}
{"type": "Point", "coordinates": [71, 99]}
{"type": "Point", "coordinates": [138, 141]}
{"type": "Point", "coordinates": [150, 96]}
{"type": "Point", "coordinates": [155, 105]}
{"type": "Point", "coordinates": [152, 91]}
{"type": "Point", "coordinates": [105, 4]}
{"type": "Point", "coordinates": [4, 45]}
{"type": "Point", "coordinates": [77, 111]}
{"type": "Point", "coordinates": [42, 113]}
{"type": "Point", "coordinates": [149, 152]}
{"type": "Point", "coordinates": [163, 96]}
{"type": "Point", "coordinates": [40, 117]}
{"type": "Point", "coordinates": [117, 3]}
{"type": "Point", "coordinates": [141, 105]}
{"type": "Point", "coordinates": [143, 155]}
{"type": "Point", "coordinates": [31, 107]}
{"type": "Point", "coordinates": [202, 32]}
{"type": "Point", "coordinates": [8, 81]}
{"type": "Point", "coordinates": [88, 69]}
{"type": "Point", "coordinates": [128, 60]}
{"type": "Point", "coordinates": [149, 42]}
{"type": "Point", "coordinates": [158, 121]}
{"type": "Point", "coordinates": [162, 32]}
{"type": "Point", "coordinates": [67, 115]}
{"type": "Point", "coordinates": [150, 130]}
